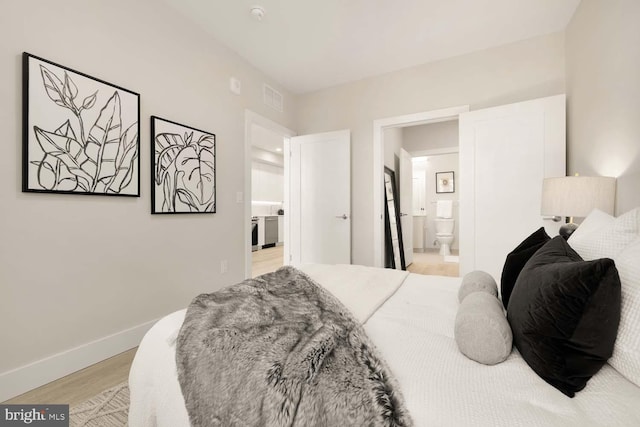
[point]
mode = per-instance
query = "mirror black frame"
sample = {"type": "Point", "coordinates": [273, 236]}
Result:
{"type": "Point", "coordinates": [390, 254]}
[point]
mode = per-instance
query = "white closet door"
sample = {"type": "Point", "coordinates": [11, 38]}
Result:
{"type": "Point", "coordinates": [505, 152]}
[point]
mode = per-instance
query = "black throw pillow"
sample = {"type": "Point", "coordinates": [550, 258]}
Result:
{"type": "Point", "coordinates": [517, 259]}
{"type": "Point", "coordinates": [564, 314]}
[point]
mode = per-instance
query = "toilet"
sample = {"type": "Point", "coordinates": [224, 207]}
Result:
{"type": "Point", "coordinates": [444, 226]}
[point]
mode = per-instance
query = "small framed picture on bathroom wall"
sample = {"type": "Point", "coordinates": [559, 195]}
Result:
{"type": "Point", "coordinates": [445, 182]}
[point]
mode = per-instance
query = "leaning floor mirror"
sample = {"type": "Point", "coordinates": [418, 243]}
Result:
{"type": "Point", "coordinates": [394, 249]}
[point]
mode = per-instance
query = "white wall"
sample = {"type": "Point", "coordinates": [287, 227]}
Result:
{"type": "Point", "coordinates": [515, 72]}
{"type": "Point", "coordinates": [76, 268]}
{"type": "Point", "coordinates": [603, 94]}
{"type": "Point", "coordinates": [416, 139]}
{"type": "Point", "coordinates": [392, 139]}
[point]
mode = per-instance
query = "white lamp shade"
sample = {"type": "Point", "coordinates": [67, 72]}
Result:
{"type": "Point", "coordinates": [577, 196]}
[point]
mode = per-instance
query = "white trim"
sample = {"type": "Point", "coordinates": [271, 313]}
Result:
{"type": "Point", "coordinates": [379, 125]}
{"type": "Point", "coordinates": [251, 118]}
{"type": "Point", "coordinates": [40, 372]}
{"type": "Point", "coordinates": [435, 152]}
{"type": "Point", "coordinates": [286, 250]}
{"type": "Point", "coordinates": [292, 173]}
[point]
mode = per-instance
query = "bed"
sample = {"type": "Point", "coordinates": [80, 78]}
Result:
{"type": "Point", "coordinates": [411, 322]}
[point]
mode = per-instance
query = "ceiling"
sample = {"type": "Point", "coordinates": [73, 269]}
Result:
{"type": "Point", "coordinates": [307, 45]}
{"type": "Point", "coordinates": [266, 139]}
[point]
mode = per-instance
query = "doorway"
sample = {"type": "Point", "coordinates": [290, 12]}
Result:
{"type": "Point", "coordinates": [379, 128]}
{"type": "Point", "coordinates": [425, 157]}
{"type": "Point", "coordinates": [264, 194]}
{"type": "Point", "coordinates": [505, 153]}
{"type": "Point", "coordinates": [429, 253]}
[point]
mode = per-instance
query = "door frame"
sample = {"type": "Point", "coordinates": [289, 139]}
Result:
{"type": "Point", "coordinates": [379, 125]}
{"type": "Point", "coordinates": [251, 118]}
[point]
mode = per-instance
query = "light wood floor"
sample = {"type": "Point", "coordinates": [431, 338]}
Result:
{"type": "Point", "coordinates": [82, 385]}
{"type": "Point", "coordinates": [431, 262]}
{"type": "Point", "coordinates": [266, 260]}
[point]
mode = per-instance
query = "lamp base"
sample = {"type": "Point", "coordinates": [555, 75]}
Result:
{"type": "Point", "coordinates": [567, 230]}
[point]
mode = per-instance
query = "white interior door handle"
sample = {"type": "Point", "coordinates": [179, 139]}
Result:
{"type": "Point", "coordinates": [343, 216]}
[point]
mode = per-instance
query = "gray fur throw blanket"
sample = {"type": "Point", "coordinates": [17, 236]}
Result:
{"type": "Point", "coordinates": [279, 350]}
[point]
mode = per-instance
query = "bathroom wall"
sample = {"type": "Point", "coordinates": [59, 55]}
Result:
{"type": "Point", "coordinates": [440, 163]}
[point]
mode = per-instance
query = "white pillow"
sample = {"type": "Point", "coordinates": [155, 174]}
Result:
{"type": "Point", "coordinates": [609, 240]}
{"type": "Point", "coordinates": [594, 221]}
{"type": "Point", "coordinates": [626, 352]}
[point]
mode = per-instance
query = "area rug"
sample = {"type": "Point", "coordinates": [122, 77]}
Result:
{"type": "Point", "coordinates": [107, 409]}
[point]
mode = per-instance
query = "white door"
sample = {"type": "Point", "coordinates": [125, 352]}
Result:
{"type": "Point", "coordinates": [319, 171]}
{"type": "Point", "coordinates": [419, 193]}
{"type": "Point", "coordinates": [505, 152]}
{"type": "Point", "coordinates": [406, 204]}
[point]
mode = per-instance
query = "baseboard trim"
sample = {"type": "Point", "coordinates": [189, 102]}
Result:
{"type": "Point", "coordinates": [25, 378]}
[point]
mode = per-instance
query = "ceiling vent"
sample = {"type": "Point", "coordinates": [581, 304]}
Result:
{"type": "Point", "coordinates": [273, 98]}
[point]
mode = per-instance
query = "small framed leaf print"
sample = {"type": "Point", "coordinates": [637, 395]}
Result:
{"type": "Point", "coordinates": [183, 168]}
{"type": "Point", "coordinates": [80, 134]}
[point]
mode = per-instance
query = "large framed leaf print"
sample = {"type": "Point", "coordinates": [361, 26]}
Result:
{"type": "Point", "coordinates": [183, 168]}
{"type": "Point", "coordinates": [80, 133]}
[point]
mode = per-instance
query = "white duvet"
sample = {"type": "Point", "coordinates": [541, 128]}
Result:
{"type": "Point", "coordinates": [413, 330]}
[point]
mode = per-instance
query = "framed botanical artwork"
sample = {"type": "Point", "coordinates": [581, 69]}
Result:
{"type": "Point", "coordinates": [80, 134]}
{"type": "Point", "coordinates": [183, 168]}
{"type": "Point", "coordinates": [445, 182]}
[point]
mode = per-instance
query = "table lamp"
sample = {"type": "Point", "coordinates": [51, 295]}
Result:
{"type": "Point", "coordinates": [577, 196]}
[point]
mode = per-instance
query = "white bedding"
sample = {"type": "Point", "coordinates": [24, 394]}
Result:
{"type": "Point", "coordinates": [413, 330]}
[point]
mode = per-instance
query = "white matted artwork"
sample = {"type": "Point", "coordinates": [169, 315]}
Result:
{"type": "Point", "coordinates": [445, 182]}
{"type": "Point", "coordinates": [183, 168]}
{"type": "Point", "coordinates": [80, 133]}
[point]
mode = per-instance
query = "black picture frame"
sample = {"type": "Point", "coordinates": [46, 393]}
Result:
{"type": "Point", "coordinates": [445, 182]}
{"type": "Point", "coordinates": [183, 169]}
{"type": "Point", "coordinates": [80, 134]}
{"type": "Point", "coordinates": [394, 246]}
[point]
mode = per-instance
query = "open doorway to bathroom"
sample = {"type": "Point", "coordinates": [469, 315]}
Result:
{"type": "Point", "coordinates": [431, 209]}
